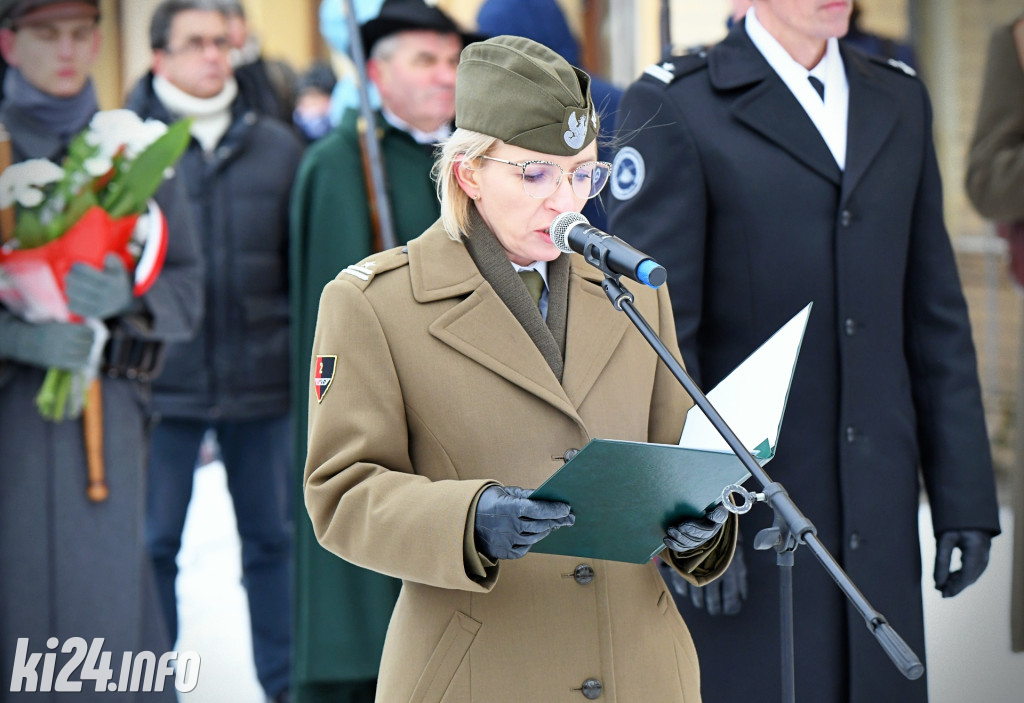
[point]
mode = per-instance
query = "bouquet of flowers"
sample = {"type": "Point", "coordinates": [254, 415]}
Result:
{"type": "Point", "coordinates": [96, 203]}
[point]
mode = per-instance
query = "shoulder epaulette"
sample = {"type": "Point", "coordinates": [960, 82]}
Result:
{"type": "Point", "coordinates": [676, 67]}
{"type": "Point", "coordinates": [374, 265]}
{"type": "Point", "coordinates": [895, 65]}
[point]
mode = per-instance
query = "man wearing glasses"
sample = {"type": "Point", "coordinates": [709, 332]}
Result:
{"type": "Point", "coordinates": [232, 377]}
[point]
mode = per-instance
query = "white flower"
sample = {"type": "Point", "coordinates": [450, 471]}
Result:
{"type": "Point", "coordinates": [97, 166]}
{"type": "Point", "coordinates": [110, 130]}
{"type": "Point", "coordinates": [23, 182]}
{"type": "Point", "coordinates": [144, 135]}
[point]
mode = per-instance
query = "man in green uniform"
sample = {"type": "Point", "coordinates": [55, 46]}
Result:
{"type": "Point", "coordinates": [342, 611]}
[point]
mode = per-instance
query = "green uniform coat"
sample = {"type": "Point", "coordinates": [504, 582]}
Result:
{"type": "Point", "coordinates": [438, 391]}
{"type": "Point", "coordinates": [341, 611]}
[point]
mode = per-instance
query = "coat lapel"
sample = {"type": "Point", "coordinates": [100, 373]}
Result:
{"type": "Point", "coordinates": [873, 115]}
{"type": "Point", "coordinates": [771, 110]}
{"type": "Point", "coordinates": [767, 106]}
{"type": "Point", "coordinates": [480, 326]}
{"type": "Point", "coordinates": [589, 345]}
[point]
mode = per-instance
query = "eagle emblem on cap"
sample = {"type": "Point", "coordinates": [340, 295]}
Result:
{"type": "Point", "coordinates": [577, 132]}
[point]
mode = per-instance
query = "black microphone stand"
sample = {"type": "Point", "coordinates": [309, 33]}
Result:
{"type": "Point", "coordinates": [790, 527]}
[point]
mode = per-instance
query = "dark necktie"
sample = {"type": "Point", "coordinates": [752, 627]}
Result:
{"type": "Point", "coordinates": [818, 86]}
{"type": "Point", "coordinates": [534, 284]}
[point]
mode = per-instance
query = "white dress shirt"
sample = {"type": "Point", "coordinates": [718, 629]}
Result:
{"type": "Point", "coordinates": [421, 137]}
{"type": "Point", "coordinates": [828, 115]}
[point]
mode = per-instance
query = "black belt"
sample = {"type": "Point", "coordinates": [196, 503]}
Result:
{"type": "Point", "coordinates": [127, 356]}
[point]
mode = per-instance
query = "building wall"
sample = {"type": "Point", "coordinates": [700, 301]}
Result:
{"type": "Point", "coordinates": [953, 42]}
{"type": "Point", "coordinates": [107, 72]}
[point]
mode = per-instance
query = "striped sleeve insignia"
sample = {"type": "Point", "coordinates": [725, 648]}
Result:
{"type": "Point", "coordinates": [362, 271]}
{"type": "Point", "coordinates": [664, 72]}
{"type": "Point", "coordinates": [900, 65]}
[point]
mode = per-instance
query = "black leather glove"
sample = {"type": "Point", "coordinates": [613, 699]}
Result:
{"type": "Point", "coordinates": [693, 533]}
{"type": "Point", "coordinates": [974, 547]}
{"type": "Point", "coordinates": [508, 523]}
{"type": "Point", "coordinates": [724, 595]}
{"type": "Point", "coordinates": [95, 293]}
{"type": "Point", "coordinates": [60, 344]}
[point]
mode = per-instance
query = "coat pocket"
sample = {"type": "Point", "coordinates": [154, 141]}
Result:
{"type": "Point", "coordinates": [445, 661]}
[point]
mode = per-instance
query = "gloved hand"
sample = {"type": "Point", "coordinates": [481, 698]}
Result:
{"type": "Point", "coordinates": [974, 547]}
{"type": "Point", "coordinates": [724, 595]}
{"type": "Point", "coordinates": [508, 523]}
{"type": "Point", "coordinates": [693, 533]}
{"type": "Point", "coordinates": [61, 344]}
{"type": "Point", "coordinates": [95, 293]}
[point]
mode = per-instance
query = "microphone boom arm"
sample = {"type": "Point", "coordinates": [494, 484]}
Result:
{"type": "Point", "coordinates": [792, 526]}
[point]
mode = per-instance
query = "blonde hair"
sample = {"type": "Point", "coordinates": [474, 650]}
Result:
{"type": "Point", "coordinates": [463, 145]}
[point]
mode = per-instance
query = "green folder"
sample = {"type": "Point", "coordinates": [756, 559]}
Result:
{"type": "Point", "coordinates": [625, 494]}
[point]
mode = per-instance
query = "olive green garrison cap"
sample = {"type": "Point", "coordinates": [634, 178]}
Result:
{"type": "Point", "coordinates": [526, 95]}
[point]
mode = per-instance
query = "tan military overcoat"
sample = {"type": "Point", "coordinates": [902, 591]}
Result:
{"type": "Point", "coordinates": [437, 391]}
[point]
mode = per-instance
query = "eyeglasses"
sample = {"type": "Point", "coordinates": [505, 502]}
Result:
{"type": "Point", "coordinates": [541, 178]}
{"type": "Point", "coordinates": [197, 45]}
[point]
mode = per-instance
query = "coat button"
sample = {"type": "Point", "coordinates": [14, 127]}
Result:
{"type": "Point", "coordinates": [850, 326]}
{"type": "Point", "coordinates": [570, 454]}
{"type": "Point", "coordinates": [845, 218]}
{"type": "Point", "coordinates": [583, 574]}
{"type": "Point", "coordinates": [854, 540]}
{"type": "Point", "coordinates": [851, 434]}
{"type": "Point", "coordinates": [592, 689]}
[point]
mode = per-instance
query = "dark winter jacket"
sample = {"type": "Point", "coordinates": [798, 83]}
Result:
{"type": "Point", "coordinates": [236, 367]}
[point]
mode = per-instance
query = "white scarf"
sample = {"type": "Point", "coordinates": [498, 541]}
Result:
{"type": "Point", "coordinates": [211, 117]}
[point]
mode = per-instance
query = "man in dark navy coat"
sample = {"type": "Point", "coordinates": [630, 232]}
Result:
{"type": "Point", "coordinates": [761, 190]}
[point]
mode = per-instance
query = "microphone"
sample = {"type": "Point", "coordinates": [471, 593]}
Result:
{"type": "Point", "coordinates": [572, 232]}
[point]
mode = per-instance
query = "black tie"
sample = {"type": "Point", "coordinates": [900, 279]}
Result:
{"type": "Point", "coordinates": [818, 86]}
{"type": "Point", "coordinates": [534, 284]}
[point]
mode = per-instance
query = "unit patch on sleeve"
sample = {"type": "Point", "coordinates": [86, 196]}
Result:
{"type": "Point", "coordinates": [323, 374]}
{"type": "Point", "coordinates": [628, 172]}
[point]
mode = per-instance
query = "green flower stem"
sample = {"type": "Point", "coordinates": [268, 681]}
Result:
{"type": "Point", "coordinates": [46, 398]}
{"type": "Point", "coordinates": [52, 398]}
{"type": "Point", "coordinates": [63, 391]}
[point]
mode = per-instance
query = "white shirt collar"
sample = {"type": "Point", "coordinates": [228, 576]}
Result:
{"type": "Point", "coordinates": [421, 137]}
{"type": "Point", "coordinates": [830, 115]}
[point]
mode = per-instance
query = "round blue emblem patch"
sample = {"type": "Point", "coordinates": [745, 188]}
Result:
{"type": "Point", "coordinates": [627, 173]}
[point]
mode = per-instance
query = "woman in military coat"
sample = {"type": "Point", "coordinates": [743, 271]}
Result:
{"type": "Point", "coordinates": [442, 393]}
